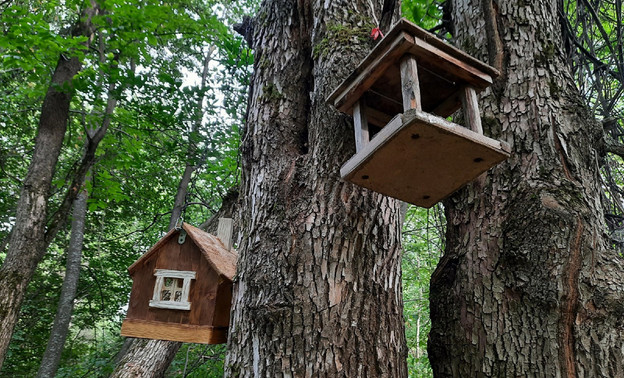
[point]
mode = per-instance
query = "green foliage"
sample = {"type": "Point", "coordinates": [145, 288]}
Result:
{"type": "Point", "coordinates": [198, 361]}
{"type": "Point", "coordinates": [423, 235]}
{"type": "Point", "coordinates": [147, 55]}
{"type": "Point", "coordinates": [424, 13]}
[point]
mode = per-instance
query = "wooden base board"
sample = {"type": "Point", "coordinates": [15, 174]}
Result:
{"type": "Point", "coordinates": [421, 159]}
{"type": "Point", "coordinates": [174, 332]}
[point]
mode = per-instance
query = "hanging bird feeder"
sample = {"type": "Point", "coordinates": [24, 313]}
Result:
{"type": "Point", "coordinates": [400, 97]}
{"type": "Point", "coordinates": [182, 287]}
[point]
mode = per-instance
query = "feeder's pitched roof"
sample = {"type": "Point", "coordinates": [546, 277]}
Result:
{"type": "Point", "coordinates": [223, 261]}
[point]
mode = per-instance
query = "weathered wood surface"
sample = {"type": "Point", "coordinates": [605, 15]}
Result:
{"type": "Point", "coordinates": [174, 332]}
{"type": "Point", "coordinates": [360, 125]}
{"type": "Point", "coordinates": [345, 96]}
{"type": "Point", "coordinates": [220, 258]}
{"type": "Point", "coordinates": [224, 232]}
{"type": "Point", "coordinates": [422, 159]}
{"type": "Point", "coordinates": [470, 107]}
{"type": "Point", "coordinates": [410, 87]}
{"type": "Point", "coordinates": [429, 43]}
{"type": "Point", "coordinates": [445, 70]}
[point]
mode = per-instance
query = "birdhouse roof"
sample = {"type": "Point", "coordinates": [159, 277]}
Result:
{"type": "Point", "coordinates": [222, 260]}
{"type": "Point", "coordinates": [443, 67]}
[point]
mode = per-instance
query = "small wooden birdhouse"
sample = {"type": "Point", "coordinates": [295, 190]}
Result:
{"type": "Point", "coordinates": [182, 289]}
{"type": "Point", "coordinates": [399, 97]}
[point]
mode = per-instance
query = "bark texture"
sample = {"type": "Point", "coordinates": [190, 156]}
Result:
{"type": "Point", "coordinates": [146, 358]}
{"type": "Point", "coordinates": [528, 285]}
{"type": "Point", "coordinates": [60, 328]}
{"type": "Point", "coordinates": [27, 243]}
{"type": "Point", "coordinates": [318, 288]}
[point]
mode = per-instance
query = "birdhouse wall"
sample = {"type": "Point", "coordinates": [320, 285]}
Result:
{"type": "Point", "coordinates": [202, 294]}
{"type": "Point", "coordinates": [223, 303]}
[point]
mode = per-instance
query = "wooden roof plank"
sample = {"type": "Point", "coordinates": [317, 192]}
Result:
{"type": "Point", "coordinates": [360, 81]}
{"type": "Point", "coordinates": [437, 56]}
{"type": "Point", "coordinates": [221, 259]}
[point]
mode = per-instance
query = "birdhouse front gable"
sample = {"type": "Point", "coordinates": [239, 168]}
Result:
{"type": "Point", "coordinates": [178, 292]}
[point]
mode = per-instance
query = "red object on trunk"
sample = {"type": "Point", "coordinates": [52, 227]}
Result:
{"type": "Point", "coordinates": [376, 33]}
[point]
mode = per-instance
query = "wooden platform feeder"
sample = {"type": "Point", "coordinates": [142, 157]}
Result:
{"type": "Point", "coordinates": [182, 288]}
{"type": "Point", "coordinates": [399, 97]}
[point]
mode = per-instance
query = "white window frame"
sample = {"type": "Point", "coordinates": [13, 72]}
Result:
{"type": "Point", "coordinates": [161, 274]}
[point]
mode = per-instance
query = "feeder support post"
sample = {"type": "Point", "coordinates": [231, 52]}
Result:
{"type": "Point", "coordinates": [224, 232]}
{"type": "Point", "coordinates": [360, 124]}
{"type": "Point", "coordinates": [410, 88]}
{"type": "Point", "coordinates": [470, 106]}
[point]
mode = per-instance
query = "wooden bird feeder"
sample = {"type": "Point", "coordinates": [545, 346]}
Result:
{"type": "Point", "coordinates": [400, 96]}
{"type": "Point", "coordinates": [182, 288]}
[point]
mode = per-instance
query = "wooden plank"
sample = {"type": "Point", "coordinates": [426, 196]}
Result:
{"type": "Point", "coordinates": [202, 290]}
{"type": "Point", "coordinates": [174, 332]}
{"type": "Point", "coordinates": [429, 43]}
{"type": "Point", "coordinates": [345, 96]}
{"type": "Point", "coordinates": [422, 159]}
{"type": "Point", "coordinates": [223, 304]}
{"type": "Point", "coordinates": [224, 231]}
{"type": "Point", "coordinates": [405, 26]}
{"type": "Point", "coordinates": [440, 61]}
{"type": "Point", "coordinates": [360, 125]}
{"type": "Point", "coordinates": [410, 88]}
{"type": "Point", "coordinates": [137, 264]}
{"type": "Point", "coordinates": [470, 105]}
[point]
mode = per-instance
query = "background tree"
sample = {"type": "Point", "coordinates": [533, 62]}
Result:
{"type": "Point", "coordinates": [60, 327]}
{"type": "Point", "coordinates": [27, 241]}
{"type": "Point", "coordinates": [527, 285]}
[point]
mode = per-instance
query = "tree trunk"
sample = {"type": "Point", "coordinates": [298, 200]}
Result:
{"type": "Point", "coordinates": [527, 285]}
{"type": "Point", "coordinates": [318, 289]}
{"type": "Point", "coordinates": [60, 328]}
{"type": "Point", "coordinates": [27, 243]}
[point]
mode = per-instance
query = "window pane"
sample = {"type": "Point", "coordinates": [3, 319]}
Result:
{"type": "Point", "coordinates": [178, 295]}
{"type": "Point", "coordinates": [168, 281]}
{"type": "Point", "coordinates": [165, 295]}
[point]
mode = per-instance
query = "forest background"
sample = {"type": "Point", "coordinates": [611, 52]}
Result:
{"type": "Point", "coordinates": [167, 83]}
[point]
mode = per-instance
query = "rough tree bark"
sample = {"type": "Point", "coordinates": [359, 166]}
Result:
{"type": "Point", "coordinates": [27, 243]}
{"type": "Point", "coordinates": [60, 328]}
{"type": "Point", "coordinates": [318, 288]}
{"type": "Point", "coordinates": [528, 285]}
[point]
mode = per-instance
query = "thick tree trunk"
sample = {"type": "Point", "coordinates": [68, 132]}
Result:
{"type": "Point", "coordinates": [60, 328]}
{"type": "Point", "coordinates": [318, 288]}
{"type": "Point", "coordinates": [527, 285]}
{"type": "Point", "coordinates": [27, 243]}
